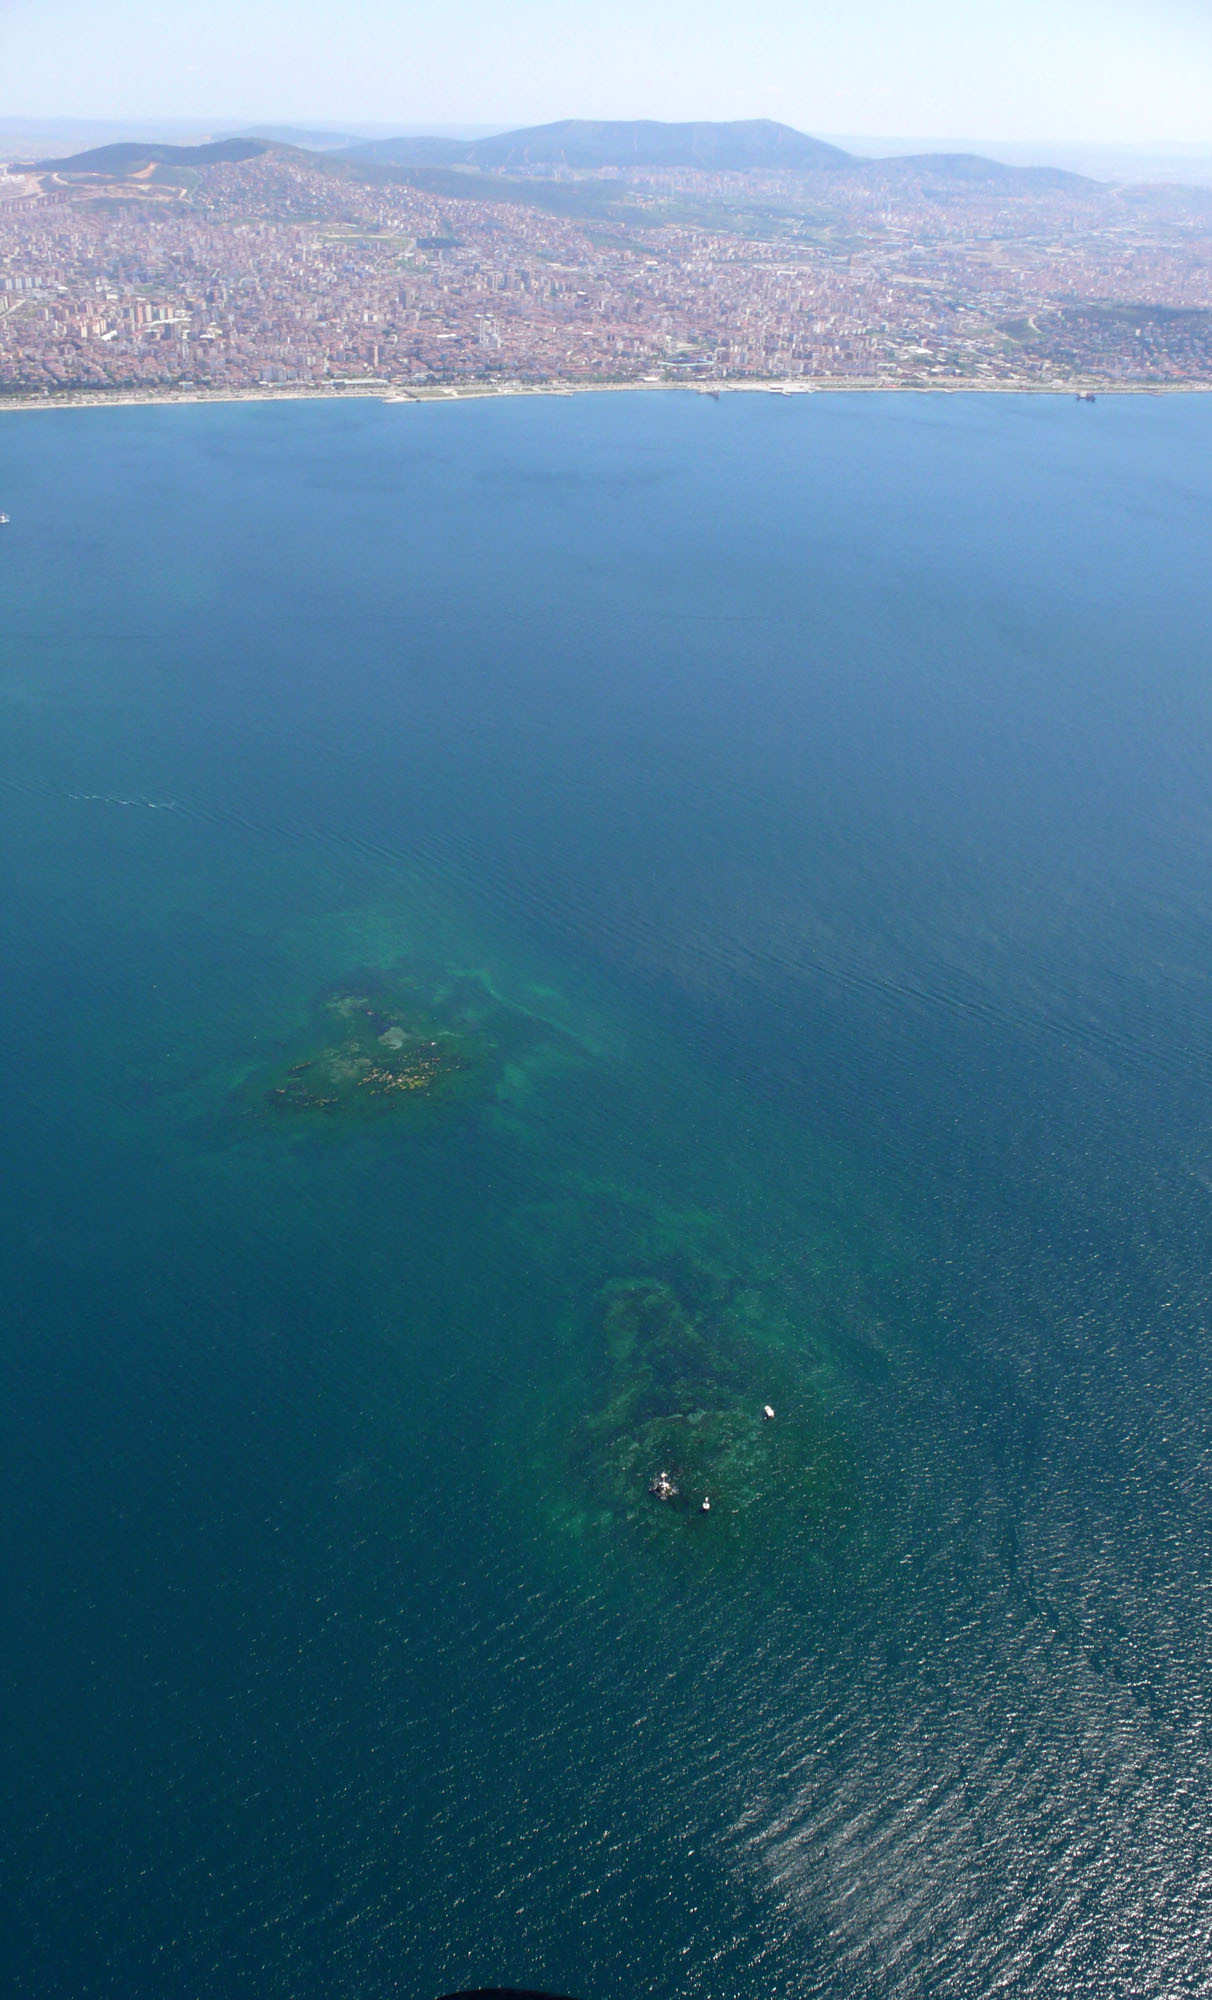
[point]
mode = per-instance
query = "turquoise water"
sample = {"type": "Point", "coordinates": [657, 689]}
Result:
{"type": "Point", "coordinates": [799, 815]}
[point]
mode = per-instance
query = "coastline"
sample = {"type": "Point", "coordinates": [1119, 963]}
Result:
{"type": "Point", "coordinates": [386, 392]}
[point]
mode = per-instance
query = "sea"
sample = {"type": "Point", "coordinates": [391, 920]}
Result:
{"type": "Point", "coordinates": [534, 929]}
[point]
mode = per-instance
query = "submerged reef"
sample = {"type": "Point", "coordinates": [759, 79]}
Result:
{"type": "Point", "coordinates": [381, 1044]}
{"type": "Point", "coordinates": [700, 1405]}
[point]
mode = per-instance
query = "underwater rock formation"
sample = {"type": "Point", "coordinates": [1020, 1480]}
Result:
{"type": "Point", "coordinates": [683, 1421]}
{"type": "Point", "coordinates": [383, 1047]}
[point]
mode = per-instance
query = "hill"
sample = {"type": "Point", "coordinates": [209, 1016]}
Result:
{"type": "Point", "coordinates": [299, 137]}
{"type": "Point", "coordinates": [129, 156]}
{"type": "Point", "coordinates": [738, 146]}
{"type": "Point", "coordinates": [423, 151]}
{"type": "Point", "coordinates": [973, 170]}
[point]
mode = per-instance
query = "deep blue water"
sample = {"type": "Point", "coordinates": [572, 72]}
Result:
{"type": "Point", "coordinates": [819, 794]}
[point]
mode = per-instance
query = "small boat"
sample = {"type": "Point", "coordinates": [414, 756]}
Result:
{"type": "Point", "coordinates": [663, 1488]}
{"type": "Point", "coordinates": [3, 520]}
{"type": "Point", "coordinates": [706, 1506]}
{"type": "Point", "coordinates": [767, 1414]}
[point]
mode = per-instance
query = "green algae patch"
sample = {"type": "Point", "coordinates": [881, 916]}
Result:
{"type": "Point", "coordinates": [699, 1405]}
{"type": "Point", "coordinates": [384, 1047]}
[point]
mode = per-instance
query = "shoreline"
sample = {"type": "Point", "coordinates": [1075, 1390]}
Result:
{"type": "Point", "coordinates": [84, 399]}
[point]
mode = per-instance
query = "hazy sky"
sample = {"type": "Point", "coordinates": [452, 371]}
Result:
{"type": "Point", "coordinates": [996, 69]}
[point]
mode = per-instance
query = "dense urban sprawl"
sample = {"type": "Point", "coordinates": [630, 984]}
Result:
{"type": "Point", "coordinates": [280, 272]}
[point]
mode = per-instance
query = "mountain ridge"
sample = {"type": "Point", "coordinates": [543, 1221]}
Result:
{"type": "Point", "coordinates": [735, 146]}
{"type": "Point", "coordinates": [711, 145]}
